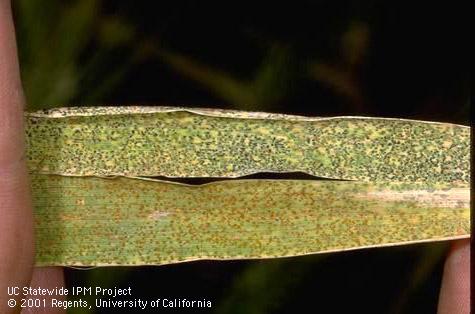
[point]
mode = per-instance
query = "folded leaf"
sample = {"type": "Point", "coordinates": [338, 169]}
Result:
{"type": "Point", "coordinates": [177, 142]}
{"type": "Point", "coordinates": [406, 181]}
{"type": "Point", "coordinates": [126, 221]}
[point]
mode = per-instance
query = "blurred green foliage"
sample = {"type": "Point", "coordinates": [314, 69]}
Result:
{"type": "Point", "coordinates": [89, 52]}
{"type": "Point", "coordinates": [268, 86]}
{"type": "Point", "coordinates": [61, 47]}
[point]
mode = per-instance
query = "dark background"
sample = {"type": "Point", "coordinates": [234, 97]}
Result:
{"type": "Point", "coordinates": [319, 58]}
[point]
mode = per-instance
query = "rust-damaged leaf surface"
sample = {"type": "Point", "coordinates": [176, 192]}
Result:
{"type": "Point", "coordinates": [405, 181]}
{"type": "Point", "coordinates": [94, 221]}
{"type": "Point", "coordinates": [140, 142]}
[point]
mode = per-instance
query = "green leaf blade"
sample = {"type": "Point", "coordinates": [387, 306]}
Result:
{"type": "Point", "coordinates": [125, 221]}
{"type": "Point", "coordinates": [174, 142]}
